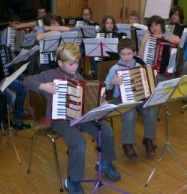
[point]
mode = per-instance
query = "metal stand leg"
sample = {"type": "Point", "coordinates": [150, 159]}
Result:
{"type": "Point", "coordinates": [167, 147]}
{"type": "Point", "coordinates": [10, 132]}
{"type": "Point", "coordinates": [99, 182]}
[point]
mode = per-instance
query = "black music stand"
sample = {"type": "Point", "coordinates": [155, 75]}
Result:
{"type": "Point", "coordinates": [167, 91]}
{"type": "Point", "coordinates": [29, 40]}
{"type": "Point", "coordinates": [51, 42]}
{"type": "Point", "coordinates": [69, 37]}
{"type": "Point", "coordinates": [85, 31]}
{"type": "Point", "coordinates": [104, 111]}
{"type": "Point", "coordinates": [4, 84]}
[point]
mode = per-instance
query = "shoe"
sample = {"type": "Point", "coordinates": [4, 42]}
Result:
{"type": "Point", "coordinates": [148, 143]}
{"type": "Point", "coordinates": [73, 186]}
{"type": "Point", "coordinates": [130, 152]}
{"type": "Point", "coordinates": [110, 170]}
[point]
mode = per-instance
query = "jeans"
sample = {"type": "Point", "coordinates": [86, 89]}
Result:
{"type": "Point", "coordinates": [129, 122]}
{"type": "Point", "coordinates": [76, 142]}
{"type": "Point", "coordinates": [20, 92]}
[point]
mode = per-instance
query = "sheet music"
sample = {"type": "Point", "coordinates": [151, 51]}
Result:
{"type": "Point", "coordinates": [181, 90]}
{"type": "Point", "coordinates": [68, 37]}
{"type": "Point", "coordinates": [85, 31]}
{"type": "Point", "coordinates": [124, 28]}
{"type": "Point", "coordinates": [23, 55]}
{"type": "Point", "coordinates": [97, 47]}
{"type": "Point", "coordinates": [162, 92]}
{"type": "Point", "coordinates": [103, 111]}
{"type": "Point", "coordinates": [109, 44]}
{"type": "Point", "coordinates": [172, 62]}
{"type": "Point", "coordinates": [92, 47]}
{"type": "Point", "coordinates": [29, 39]}
{"type": "Point", "coordinates": [51, 42]}
{"type": "Point", "coordinates": [8, 80]}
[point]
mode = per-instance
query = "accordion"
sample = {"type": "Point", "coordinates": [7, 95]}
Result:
{"type": "Point", "coordinates": [5, 57]}
{"type": "Point", "coordinates": [138, 83]}
{"type": "Point", "coordinates": [76, 98]}
{"type": "Point", "coordinates": [11, 33]}
{"type": "Point", "coordinates": [161, 54]}
{"type": "Point", "coordinates": [176, 29]}
{"type": "Point", "coordinates": [19, 37]}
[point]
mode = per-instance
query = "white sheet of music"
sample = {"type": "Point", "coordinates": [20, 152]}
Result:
{"type": "Point", "coordinates": [29, 39]}
{"type": "Point", "coordinates": [69, 37]}
{"type": "Point", "coordinates": [23, 55]}
{"type": "Point", "coordinates": [109, 44]}
{"type": "Point", "coordinates": [85, 31]}
{"type": "Point", "coordinates": [162, 92]}
{"type": "Point", "coordinates": [8, 80]}
{"type": "Point", "coordinates": [51, 42]}
{"type": "Point", "coordinates": [158, 7]}
{"type": "Point", "coordinates": [124, 28]}
{"type": "Point", "coordinates": [92, 47]}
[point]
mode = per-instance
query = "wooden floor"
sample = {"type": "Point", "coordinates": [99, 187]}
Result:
{"type": "Point", "coordinates": [168, 177]}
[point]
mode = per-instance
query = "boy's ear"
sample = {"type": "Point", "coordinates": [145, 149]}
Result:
{"type": "Point", "coordinates": [134, 52]}
{"type": "Point", "coordinates": [60, 63]}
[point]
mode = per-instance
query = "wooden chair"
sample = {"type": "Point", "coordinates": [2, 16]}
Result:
{"type": "Point", "coordinates": [37, 106]}
{"type": "Point", "coordinates": [102, 71]}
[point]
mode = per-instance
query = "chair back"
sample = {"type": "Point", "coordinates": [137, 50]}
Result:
{"type": "Point", "coordinates": [37, 106]}
{"type": "Point", "coordinates": [102, 71]}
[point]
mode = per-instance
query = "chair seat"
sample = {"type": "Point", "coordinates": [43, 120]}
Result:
{"type": "Point", "coordinates": [44, 128]}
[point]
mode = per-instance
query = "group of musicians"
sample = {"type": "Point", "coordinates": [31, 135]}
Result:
{"type": "Point", "coordinates": [68, 63]}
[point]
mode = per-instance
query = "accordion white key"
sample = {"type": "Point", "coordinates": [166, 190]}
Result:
{"type": "Point", "coordinates": [76, 98]}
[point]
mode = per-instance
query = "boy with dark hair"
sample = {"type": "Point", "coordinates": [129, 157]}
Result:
{"type": "Point", "coordinates": [126, 51]}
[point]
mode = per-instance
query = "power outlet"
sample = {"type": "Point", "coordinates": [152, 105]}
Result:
{"type": "Point", "coordinates": [71, 21]}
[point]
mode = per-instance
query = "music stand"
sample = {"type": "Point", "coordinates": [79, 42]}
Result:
{"type": "Point", "coordinates": [85, 31]}
{"type": "Point", "coordinates": [29, 40]}
{"type": "Point", "coordinates": [69, 37]}
{"type": "Point", "coordinates": [98, 47]}
{"type": "Point", "coordinates": [166, 91]}
{"type": "Point", "coordinates": [4, 84]}
{"type": "Point", "coordinates": [104, 111]}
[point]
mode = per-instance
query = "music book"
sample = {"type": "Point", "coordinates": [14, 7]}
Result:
{"type": "Point", "coordinates": [105, 111]}
{"type": "Point", "coordinates": [8, 80]}
{"type": "Point", "coordinates": [98, 47]}
{"type": "Point", "coordinates": [23, 55]}
{"type": "Point", "coordinates": [174, 89]}
{"type": "Point", "coordinates": [85, 31]}
{"type": "Point", "coordinates": [29, 40]}
{"type": "Point", "coordinates": [69, 37]}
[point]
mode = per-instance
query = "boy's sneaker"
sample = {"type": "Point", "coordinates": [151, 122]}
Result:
{"type": "Point", "coordinates": [73, 186]}
{"type": "Point", "coordinates": [110, 170]}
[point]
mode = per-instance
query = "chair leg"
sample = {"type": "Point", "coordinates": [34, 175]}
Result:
{"type": "Point", "coordinates": [181, 106]}
{"type": "Point", "coordinates": [53, 140]}
{"type": "Point", "coordinates": [31, 152]}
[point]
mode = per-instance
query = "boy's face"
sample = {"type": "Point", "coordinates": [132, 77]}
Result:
{"type": "Point", "coordinates": [156, 28]}
{"type": "Point", "coordinates": [69, 66]}
{"type": "Point", "coordinates": [126, 55]}
{"type": "Point", "coordinates": [175, 18]}
{"type": "Point", "coordinates": [14, 23]}
{"type": "Point", "coordinates": [41, 13]}
{"type": "Point", "coordinates": [133, 19]}
{"type": "Point", "coordinates": [109, 25]}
